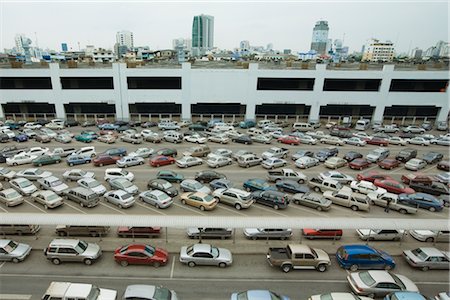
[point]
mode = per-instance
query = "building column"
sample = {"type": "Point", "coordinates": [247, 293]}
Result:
{"type": "Point", "coordinates": [121, 91]}
{"type": "Point", "coordinates": [443, 114]}
{"type": "Point", "coordinates": [2, 115]}
{"type": "Point", "coordinates": [250, 111]}
{"type": "Point", "coordinates": [57, 91]}
{"type": "Point", "coordinates": [59, 109]}
{"type": "Point", "coordinates": [314, 112]}
{"type": "Point", "coordinates": [186, 101]}
{"type": "Point", "coordinates": [252, 92]}
{"type": "Point", "coordinates": [378, 113]}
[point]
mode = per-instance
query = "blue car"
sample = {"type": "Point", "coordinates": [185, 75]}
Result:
{"type": "Point", "coordinates": [291, 186]}
{"type": "Point", "coordinates": [423, 200]}
{"type": "Point", "coordinates": [108, 126]}
{"type": "Point", "coordinates": [405, 296]}
{"type": "Point", "coordinates": [247, 124]}
{"type": "Point", "coordinates": [21, 138]}
{"type": "Point", "coordinates": [116, 152]}
{"type": "Point", "coordinates": [13, 126]}
{"type": "Point", "coordinates": [221, 184]}
{"type": "Point", "coordinates": [78, 160]}
{"type": "Point", "coordinates": [256, 184]}
{"type": "Point", "coordinates": [258, 295]}
{"type": "Point", "coordinates": [354, 257]}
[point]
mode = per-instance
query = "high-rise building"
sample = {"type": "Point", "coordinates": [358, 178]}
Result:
{"type": "Point", "coordinates": [125, 38]}
{"type": "Point", "coordinates": [64, 47]}
{"type": "Point", "coordinates": [374, 50]}
{"type": "Point", "coordinates": [244, 45]}
{"type": "Point", "coordinates": [202, 34]}
{"type": "Point", "coordinates": [19, 39]}
{"type": "Point", "coordinates": [320, 40]}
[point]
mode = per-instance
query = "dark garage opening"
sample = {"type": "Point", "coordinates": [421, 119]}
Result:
{"type": "Point", "coordinates": [155, 108]}
{"type": "Point", "coordinates": [89, 108]}
{"type": "Point", "coordinates": [410, 111]}
{"type": "Point", "coordinates": [419, 85]}
{"type": "Point", "coordinates": [154, 83]}
{"type": "Point", "coordinates": [87, 83]}
{"type": "Point", "coordinates": [32, 83]}
{"type": "Point", "coordinates": [219, 108]}
{"type": "Point", "coordinates": [287, 84]}
{"type": "Point", "coordinates": [352, 85]}
{"type": "Point", "coordinates": [28, 108]}
{"type": "Point", "coordinates": [347, 110]}
{"type": "Point", "coordinates": [282, 109]}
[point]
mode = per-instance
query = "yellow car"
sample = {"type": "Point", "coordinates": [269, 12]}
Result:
{"type": "Point", "coordinates": [200, 200]}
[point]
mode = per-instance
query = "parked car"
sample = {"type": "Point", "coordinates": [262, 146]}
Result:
{"type": "Point", "coordinates": [157, 198]}
{"type": "Point", "coordinates": [258, 295]}
{"type": "Point", "coordinates": [335, 162]}
{"type": "Point", "coordinates": [366, 187]}
{"type": "Point", "coordinates": [141, 254]}
{"type": "Point", "coordinates": [356, 257]}
{"type": "Point", "coordinates": [256, 184]}
{"type": "Point", "coordinates": [430, 235]}
{"type": "Point", "coordinates": [356, 141]}
{"type": "Point", "coordinates": [72, 250]}
{"type": "Point", "coordinates": [170, 176]}
{"type": "Point", "coordinates": [84, 138]}
{"type": "Point", "coordinates": [423, 200]}
{"type": "Point", "coordinates": [74, 159]}
{"type": "Point", "coordinates": [199, 200]}
{"type": "Point", "coordinates": [393, 186]}
{"type": "Point", "coordinates": [443, 165]}
{"type": "Point", "coordinates": [161, 160]}
{"type": "Point", "coordinates": [273, 162]}
{"type": "Point", "coordinates": [325, 153]}
{"type": "Point", "coordinates": [20, 159]}
{"type": "Point", "coordinates": [426, 258]}
{"type": "Point", "coordinates": [377, 154]}
{"type": "Point", "coordinates": [103, 160]}
{"type": "Point", "coordinates": [312, 200]}
{"type": "Point", "coordinates": [123, 184]}
{"type": "Point", "coordinates": [6, 174]}
{"type": "Point", "coordinates": [92, 184]}
{"type": "Point", "coordinates": [107, 138]}
{"type": "Point", "coordinates": [13, 251]}
{"type": "Point", "coordinates": [276, 200]}
{"type": "Point", "coordinates": [359, 164]}
{"type": "Point", "coordinates": [396, 140]}
{"type": "Point", "coordinates": [338, 176]}
{"type": "Point", "coordinates": [372, 176]}
{"type": "Point", "coordinates": [10, 197]}
{"type": "Point", "coordinates": [415, 164]}
{"type": "Point", "coordinates": [23, 186]}
{"type": "Point", "coordinates": [291, 186]}
{"type": "Point", "coordinates": [221, 183]}
{"type": "Point", "coordinates": [53, 184]}
{"type": "Point", "coordinates": [33, 174]}
{"type": "Point", "coordinates": [216, 161]}
{"type": "Point", "coordinates": [209, 233]}
{"type": "Point", "coordinates": [332, 140]}
{"type": "Point", "coordinates": [42, 138]}
{"type": "Point", "coordinates": [129, 161]}
{"type": "Point", "coordinates": [388, 163]}
{"type": "Point", "coordinates": [75, 174]}
{"type": "Point", "coordinates": [380, 234]}
{"type": "Point", "coordinates": [126, 231]}
{"type": "Point", "coordinates": [120, 197]}
{"type": "Point", "coordinates": [268, 233]}
{"type": "Point", "coordinates": [287, 258]}
{"type": "Point", "coordinates": [306, 162]}
{"type": "Point", "coordinates": [162, 185]}
{"type": "Point", "coordinates": [63, 138]}
{"type": "Point", "coordinates": [113, 173]}
{"type": "Point", "coordinates": [432, 157]}
{"type": "Point", "coordinates": [414, 129]}
{"type": "Point", "coordinates": [188, 161]}
{"type": "Point", "coordinates": [243, 139]}
{"type": "Point", "coordinates": [382, 142]}
{"type": "Point", "coordinates": [310, 233]}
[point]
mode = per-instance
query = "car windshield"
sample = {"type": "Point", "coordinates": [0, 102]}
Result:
{"type": "Point", "coordinates": [25, 183]}
{"type": "Point", "coordinates": [190, 250]}
{"type": "Point", "coordinates": [166, 185]}
{"type": "Point", "coordinates": [366, 278]}
{"type": "Point", "coordinates": [150, 250]}
{"type": "Point", "coordinates": [52, 197]}
{"type": "Point", "coordinates": [94, 293]}
{"type": "Point", "coordinates": [196, 185]}
{"type": "Point", "coordinates": [82, 173]}
{"type": "Point", "coordinates": [215, 251]}
{"type": "Point", "coordinates": [126, 184]}
{"type": "Point", "coordinates": [125, 173]}
{"type": "Point", "coordinates": [12, 195]}
{"type": "Point", "coordinates": [161, 294]}
{"type": "Point", "coordinates": [56, 183]}
{"type": "Point", "coordinates": [81, 247]}
{"type": "Point", "coordinates": [93, 184]}
{"type": "Point", "coordinates": [399, 282]}
{"type": "Point", "coordinates": [419, 253]}
{"type": "Point", "coordinates": [4, 171]}
{"type": "Point", "coordinates": [126, 196]}
{"type": "Point", "coordinates": [208, 198]}
{"type": "Point", "coordinates": [10, 246]}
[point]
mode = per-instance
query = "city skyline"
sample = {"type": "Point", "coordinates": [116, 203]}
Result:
{"type": "Point", "coordinates": [152, 23]}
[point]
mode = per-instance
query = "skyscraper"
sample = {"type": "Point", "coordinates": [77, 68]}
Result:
{"type": "Point", "coordinates": [202, 34]}
{"type": "Point", "coordinates": [18, 39]}
{"type": "Point", "coordinates": [320, 37]}
{"type": "Point", "coordinates": [125, 38]}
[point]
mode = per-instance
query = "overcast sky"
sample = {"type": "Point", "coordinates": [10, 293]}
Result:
{"type": "Point", "coordinates": [288, 25]}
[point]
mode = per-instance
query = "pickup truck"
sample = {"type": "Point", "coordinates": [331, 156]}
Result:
{"type": "Point", "coordinates": [298, 257]}
{"type": "Point", "coordinates": [286, 174]}
{"type": "Point", "coordinates": [275, 152]}
{"type": "Point", "coordinates": [63, 152]}
{"type": "Point", "coordinates": [319, 185]}
{"type": "Point", "coordinates": [434, 188]}
{"type": "Point", "coordinates": [402, 207]}
{"type": "Point", "coordinates": [348, 198]}
{"type": "Point", "coordinates": [68, 290]}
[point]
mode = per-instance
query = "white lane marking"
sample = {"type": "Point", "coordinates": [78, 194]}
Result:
{"type": "Point", "coordinates": [35, 206]}
{"type": "Point", "coordinates": [202, 279]}
{"type": "Point", "coordinates": [5, 210]}
{"type": "Point", "coordinates": [309, 211]}
{"type": "Point", "coordinates": [76, 208]}
{"type": "Point", "coordinates": [2, 264]}
{"type": "Point", "coordinates": [173, 266]}
{"type": "Point", "coordinates": [151, 208]}
{"type": "Point", "coordinates": [235, 211]}
{"type": "Point", "coordinates": [14, 297]}
{"type": "Point", "coordinates": [189, 208]}
{"type": "Point", "coordinates": [428, 169]}
{"type": "Point", "coordinates": [272, 210]}
{"type": "Point", "coordinates": [338, 207]}
{"type": "Point", "coordinates": [113, 208]}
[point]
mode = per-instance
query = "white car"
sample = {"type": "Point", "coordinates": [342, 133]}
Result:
{"type": "Point", "coordinates": [142, 152]}
{"type": "Point", "coordinates": [53, 184]}
{"type": "Point", "coordinates": [33, 174]}
{"type": "Point", "coordinates": [120, 198]}
{"type": "Point", "coordinates": [86, 151]}
{"type": "Point", "coordinates": [129, 161]}
{"type": "Point", "coordinates": [49, 131]}
{"type": "Point", "coordinates": [76, 174]}
{"type": "Point", "coordinates": [414, 129]}
{"type": "Point", "coordinates": [362, 135]}
{"type": "Point", "coordinates": [262, 138]}
{"type": "Point", "coordinates": [6, 174]}
{"type": "Point", "coordinates": [93, 185]}
{"type": "Point", "coordinates": [156, 198]}
{"type": "Point", "coordinates": [20, 159]}
{"type": "Point", "coordinates": [307, 139]}
{"type": "Point", "coordinates": [112, 173]}
{"type": "Point", "coordinates": [188, 161]}
{"type": "Point", "coordinates": [29, 132]}
{"type": "Point", "coordinates": [356, 141]}
{"type": "Point", "coordinates": [338, 296]}
{"type": "Point", "coordinates": [38, 151]}
{"type": "Point", "coordinates": [396, 140]}
{"type": "Point", "coordinates": [185, 123]}
{"type": "Point", "coordinates": [216, 161]}
{"type": "Point", "coordinates": [32, 126]}
{"type": "Point", "coordinates": [147, 132]}
{"type": "Point", "coordinates": [306, 162]}
{"type": "Point", "coordinates": [55, 126]}
{"type": "Point", "coordinates": [23, 186]}
{"type": "Point", "coordinates": [380, 234]}
{"type": "Point", "coordinates": [195, 138]}
{"type": "Point", "coordinates": [332, 140]}
{"type": "Point", "coordinates": [317, 134]}
{"type": "Point", "coordinates": [273, 162]}
{"type": "Point", "coordinates": [220, 152]}
{"type": "Point", "coordinates": [10, 197]}
{"type": "Point", "coordinates": [219, 138]}
{"type": "Point", "coordinates": [338, 176]}
{"type": "Point", "coordinates": [419, 141]}
{"type": "Point", "coordinates": [9, 133]}
{"type": "Point", "coordinates": [48, 199]}
{"type": "Point", "coordinates": [415, 164]}
{"type": "Point", "coordinates": [366, 187]}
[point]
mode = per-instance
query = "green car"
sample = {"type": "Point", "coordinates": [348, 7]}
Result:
{"type": "Point", "coordinates": [46, 160]}
{"type": "Point", "coordinates": [197, 127]}
{"type": "Point", "coordinates": [170, 176]}
{"type": "Point", "coordinates": [83, 138]}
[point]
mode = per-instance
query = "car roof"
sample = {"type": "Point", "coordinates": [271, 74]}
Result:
{"type": "Point", "coordinates": [3, 243]}
{"type": "Point", "coordinates": [113, 170]}
{"type": "Point", "coordinates": [430, 251]}
{"type": "Point", "coordinates": [139, 291]}
{"type": "Point", "coordinates": [46, 193]}
{"type": "Point", "coordinates": [70, 242]}
{"type": "Point", "coordinates": [358, 249]}
{"type": "Point", "coordinates": [300, 248]}
{"type": "Point", "coordinates": [8, 191]}
{"type": "Point", "coordinates": [202, 247]}
{"type": "Point", "coordinates": [381, 276]}
{"type": "Point", "coordinates": [409, 296]}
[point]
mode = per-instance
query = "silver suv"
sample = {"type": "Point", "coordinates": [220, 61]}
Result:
{"type": "Point", "coordinates": [234, 197]}
{"type": "Point", "coordinates": [72, 250]}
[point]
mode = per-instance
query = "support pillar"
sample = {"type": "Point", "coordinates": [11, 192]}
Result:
{"type": "Point", "coordinates": [314, 112]}
{"type": "Point", "coordinates": [378, 113]}
{"type": "Point", "coordinates": [250, 112]}
{"type": "Point", "coordinates": [2, 114]}
{"type": "Point", "coordinates": [443, 114]}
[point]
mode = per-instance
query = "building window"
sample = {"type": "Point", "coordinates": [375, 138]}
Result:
{"type": "Point", "coordinates": [154, 83]}
{"type": "Point", "coordinates": [355, 85]}
{"type": "Point", "coordinates": [87, 83]}
{"type": "Point", "coordinates": [419, 85]}
{"type": "Point", "coordinates": [38, 83]}
{"type": "Point", "coordinates": [287, 84]}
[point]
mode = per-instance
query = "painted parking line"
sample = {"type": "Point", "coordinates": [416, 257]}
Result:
{"type": "Point", "coordinates": [309, 211]}
{"type": "Point", "coordinates": [15, 297]}
{"type": "Point", "coordinates": [396, 170]}
{"type": "Point", "coordinates": [76, 208]}
{"type": "Point", "coordinates": [113, 208]}
{"type": "Point", "coordinates": [5, 210]}
{"type": "Point", "coordinates": [190, 208]}
{"type": "Point", "coordinates": [271, 210]}
{"type": "Point", "coordinates": [151, 208]}
{"type": "Point", "coordinates": [173, 266]}
{"type": "Point", "coordinates": [335, 206]}
{"type": "Point", "coordinates": [2, 264]}
{"type": "Point", "coordinates": [428, 169]}
{"type": "Point", "coordinates": [35, 206]}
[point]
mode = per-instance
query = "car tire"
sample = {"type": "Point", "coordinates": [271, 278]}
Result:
{"type": "Point", "coordinates": [156, 264]}
{"type": "Point", "coordinates": [202, 208]}
{"type": "Point", "coordinates": [15, 260]}
{"type": "Point", "coordinates": [322, 268]}
{"type": "Point", "coordinates": [317, 189]}
{"type": "Point", "coordinates": [88, 261]}
{"type": "Point", "coordinates": [425, 268]}
{"type": "Point", "coordinates": [191, 264]}
{"type": "Point", "coordinates": [432, 209]}
{"type": "Point", "coordinates": [183, 201]}
{"type": "Point", "coordinates": [402, 211]}
{"type": "Point", "coordinates": [71, 164]}
{"type": "Point", "coordinates": [286, 268]}
{"type": "Point", "coordinates": [56, 261]}
{"type": "Point", "coordinates": [353, 268]}
{"type": "Point", "coordinates": [276, 207]}
{"type": "Point", "coordinates": [319, 208]}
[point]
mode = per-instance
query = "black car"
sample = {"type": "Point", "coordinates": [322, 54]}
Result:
{"type": "Point", "coordinates": [274, 199]}
{"type": "Point", "coordinates": [134, 124]}
{"type": "Point", "coordinates": [42, 121]}
{"type": "Point", "coordinates": [341, 133]}
{"type": "Point", "coordinates": [4, 138]}
{"type": "Point", "coordinates": [115, 152]}
{"type": "Point", "coordinates": [324, 153]}
{"type": "Point", "coordinates": [122, 128]}
{"type": "Point", "coordinates": [208, 176]}
{"type": "Point", "coordinates": [88, 124]}
{"type": "Point", "coordinates": [351, 155]}
{"type": "Point", "coordinates": [406, 154]}
{"type": "Point", "coordinates": [71, 123]}
{"type": "Point", "coordinates": [432, 157]}
{"type": "Point", "coordinates": [243, 139]}
{"type": "Point", "coordinates": [121, 123]}
{"type": "Point", "coordinates": [167, 152]}
{"type": "Point", "coordinates": [381, 135]}
{"type": "Point", "coordinates": [149, 124]}
{"type": "Point", "coordinates": [209, 233]}
{"type": "Point", "coordinates": [407, 135]}
{"type": "Point", "coordinates": [291, 186]}
{"type": "Point", "coordinates": [162, 185]}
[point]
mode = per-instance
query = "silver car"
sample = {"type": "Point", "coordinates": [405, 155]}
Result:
{"type": "Point", "coordinates": [221, 152]}
{"type": "Point", "coordinates": [148, 292]}
{"type": "Point", "coordinates": [33, 174]}
{"type": "Point", "coordinates": [235, 197]}
{"type": "Point", "coordinates": [267, 233]}
{"type": "Point", "coordinates": [156, 198]}
{"type": "Point", "coordinates": [142, 152]}
{"type": "Point", "coordinates": [188, 161]}
{"type": "Point", "coordinates": [306, 162]}
{"type": "Point", "coordinates": [132, 138]}
{"type": "Point", "coordinates": [415, 164]}
{"type": "Point", "coordinates": [356, 141]}
{"type": "Point", "coordinates": [219, 138]}
{"type": "Point", "coordinates": [63, 138]}
{"type": "Point", "coordinates": [52, 183]}
{"type": "Point", "coordinates": [377, 283]}
{"type": "Point", "coordinates": [75, 174]}
{"type": "Point", "coordinates": [216, 161]}
{"type": "Point", "coordinates": [209, 233]}
{"type": "Point", "coordinates": [93, 185]}
{"type": "Point", "coordinates": [23, 186]}
{"type": "Point", "coordinates": [191, 185]}
{"type": "Point", "coordinates": [72, 250]}
{"type": "Point", "coordinates": [430, 235]}
{"type": "Point", "coordinates": [380, 234]}
{"type": "Point", "coordinates": [205, 254]}
{"type": "Point", "coordinates": [129, 161]}
{"type": "Point", "coordinates": [48, 199]}
{"type": "Point", "coordinates": [273, 162]}
{"type": "Point", "coordinates": [427, 258]}
{"type": "Point", "coordinates": [262, 138]}
{"type": "Point", "coordinates": [13, 251]}
{"type": "Point", "coordinates": [6, 174]}
{"type": "Point", "coordinates": [120, 198]}
{"type": "Point", "coordinates": [123, 184]}
{"type": "Point", "coordinates": [10, 197]}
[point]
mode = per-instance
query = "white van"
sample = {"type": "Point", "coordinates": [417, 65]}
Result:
{"type": "Point", "coordinates": [264, 123]}
{"type": "Point", "coordinates": [302, 127]}
{"type": "Point", "coordinates": [362, 124]}
{"type": "Point", "coordinates": [173, 137]}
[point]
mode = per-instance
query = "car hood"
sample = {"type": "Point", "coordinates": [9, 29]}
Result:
{"type": "Point", "coordinates": [92, 250]}
{"type": "Point", "coordinates": [21, 250]}
{"type": "Point", "coordinates": [251, 231]}
{"type": "Point", "coordinates": [106, 294]}
{"type": "Point", "coordinates": [30, 189]}
{"type": "Point", "coordinates": [322, 255]}
{"type": "Point", "coordinates": [60, 187]}
{"type": "Point", "coordinates": [225, 254]}
{"type": "Point", "coordinates": [410, 286]}
{"type": "Point", "coordinates": [411, 256]}
{"type": "Point", "coordinates": [205, 190]}
{"type": "Point", "coordinates": [131, 189]}
{"type": "Point", "coordinates": [99, 189]}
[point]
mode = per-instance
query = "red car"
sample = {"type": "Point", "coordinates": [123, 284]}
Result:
{"type": "Point", "coordinates": [417, 177]}
{"type": "Point", "coordinates": [110, 132]}
{"type": "Point", "coordinates": [444, 165]}
{"type": "Point", "coordinates": [161, 160]}
{"type": "Point", "coordinates": [359, 164]}
{"type": "Point", "coordinates": [377, 141]}
{"type": "Point", "coordinates": [290, 140]}
{"type": "Point", "coordinates": [393, 186]}
{"type": "Point", "coordinates": [372, 176]}
{"type": "Point", "coordinates": [141, 254]}
{"type": "Point", "coordinates": [388, 163]}
{"type": "Point", "coordinates": [103, 160]}
{"type": "Point", "coordinates": [125, 231]}
{"type": "Point", "coordinates": [322, 233]}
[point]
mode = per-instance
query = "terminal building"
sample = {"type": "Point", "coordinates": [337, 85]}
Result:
{"type": "Point", "coordinates": [228, 90]}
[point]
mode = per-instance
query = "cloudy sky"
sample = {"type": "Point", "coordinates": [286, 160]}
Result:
{"type": "Point", "coordinates": [286, 24]}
